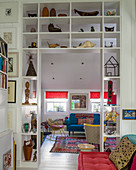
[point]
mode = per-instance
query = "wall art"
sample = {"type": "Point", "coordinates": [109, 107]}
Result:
{"type": "Point", "coordinates": [11, 91]}
{"type": "Point", "coordinates": [13, 62]}
{"type": "Point", "coordinates": [8, 12]}
{"type": "Point", "coordinates": [79, 101]}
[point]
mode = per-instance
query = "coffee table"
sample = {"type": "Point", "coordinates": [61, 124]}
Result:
{"type": "Point", "coordinates": [86, 147]}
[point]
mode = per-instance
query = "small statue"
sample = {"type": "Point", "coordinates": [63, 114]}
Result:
{"type": "Point", "coordinates": [51, 28]}
{"type": "Point", "coordinates": [87, 44]}
{"type": "Point", "coordinates": [27, 92]}
{"type": "Point", "coordinates": [31, 70]}
{"type": "Point", "coordinates": [35, 156]}
{"type": "Point", "coordinates": [81, 30]}
{"type": "Point", "coordinates": [92, 29]}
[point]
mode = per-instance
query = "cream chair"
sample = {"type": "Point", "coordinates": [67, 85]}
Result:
{"type": "Point", "coordinates": [92, 133]}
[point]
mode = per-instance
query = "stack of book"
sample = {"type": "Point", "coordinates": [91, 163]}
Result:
{"type": "Point", "coordinates": [3, 64]}
{"type": "Point", "coordinates": [3, 81]}
{"type": "Point", "coordinates": [3, 48]}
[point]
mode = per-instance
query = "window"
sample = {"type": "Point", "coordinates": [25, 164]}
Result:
{"type": "Point", "coordinates": [56, 101]}
{"type": "Point", "coordinates": [56, 105]}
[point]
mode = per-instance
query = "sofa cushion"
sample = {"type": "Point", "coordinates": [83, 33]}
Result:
{"type": "Point", "coordinates": [133, 167]}
{"type": "Point", "coordinates": [95, 161]}
{"type": "Point", "coordinates": [122, 153]}
{"type": "Point", "coordinates": [87, 120]}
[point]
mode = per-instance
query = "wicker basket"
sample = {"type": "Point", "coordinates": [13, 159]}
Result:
{"type": "Point", "coordinates": [28, 149]}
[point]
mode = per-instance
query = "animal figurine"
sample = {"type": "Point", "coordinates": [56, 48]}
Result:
{"type": "Point", "coordinates": [87, 44]}
{"type": "Point", "coordinates": [51, 28]}
{"type": "Point", "coordinates": [81, 13]}
{"type": "Point", "coordinates": [52, 45]}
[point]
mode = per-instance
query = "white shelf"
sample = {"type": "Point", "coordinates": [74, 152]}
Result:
{"type": "Point", "coordinates": [29, 105]}
{"type": "Point", "coordinates": [112, 106]}
{"type": "Point", "coordinates": [114, 135]}
{"type": "Point", "coordinates": [28, 134]}
{"type": "Point", "coordinates": [30, 77]}
{"type": "Point", "coordinates": [111, 77]}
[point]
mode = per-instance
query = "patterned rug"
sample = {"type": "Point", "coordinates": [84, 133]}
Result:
{"type": "Point", "coordinates": [70, 144]}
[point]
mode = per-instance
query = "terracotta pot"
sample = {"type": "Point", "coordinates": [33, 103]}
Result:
{"type": "Point", "coordinates": [45, 12]}
{"type": "Point", "coordinates": [28, 150]}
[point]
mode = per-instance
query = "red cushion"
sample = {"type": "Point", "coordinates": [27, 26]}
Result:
{"type": "Point", "coordinates": [95, 161]}
{"type": "Point", "coordinates": [133, 166]}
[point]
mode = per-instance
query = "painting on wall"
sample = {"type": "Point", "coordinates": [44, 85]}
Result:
{"type": "Point", "coordinates": [9, 34]}
{"type": "Point", "coordinates": [129, 114]}
{"type": "Point", "coordinates": [11, 91]}
{"type": "Point", "coordinates": [13, 64]}
{"type": "Point", "coordinates": [7, 160]}
{"type": "Point", "coordinates": [8, 12]}
{"type": "Point", "coordinates": [79, 101]}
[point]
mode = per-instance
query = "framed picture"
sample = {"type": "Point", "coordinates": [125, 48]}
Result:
{"type": "Point", "coordinates": [8, 12]}
{"type": "Point", "coordinates": [11, 91]}
{"type": "Point", "coordinates": [129, 114]}
{"type": "Point", "coordinates": [79, 101]}
{"type": "Point", "coordinates": [9, 34]}
{"type": "Point", "coordinates": [13, 64]}
{"type": "Point", "coordinates": [7, 160]}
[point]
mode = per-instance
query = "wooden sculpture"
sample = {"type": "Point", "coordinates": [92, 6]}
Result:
{"type": "Point", "coordinates": [51, 28]}
{"type": "Point", "coordinates": [52, 45]}
{"type": "Point", "coordinates": [31, 70]}
{"type": "Point", "coordinates": [81, 13]}
{"type": "Point", "coordinates": [52, 12]}
{"type": "Point", "coordinates": [27, 92]}
{"type": "Point", "coordinates": [45, 12]}
{"type": "Point", "coordinates": [87, 44]}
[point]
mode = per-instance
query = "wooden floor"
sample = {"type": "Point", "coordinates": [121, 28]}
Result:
{"type": "Point", "coordinates": [55, 161]}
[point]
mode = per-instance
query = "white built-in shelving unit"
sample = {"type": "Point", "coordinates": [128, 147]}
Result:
{"type": "Point", "coordinates": [71, 37]}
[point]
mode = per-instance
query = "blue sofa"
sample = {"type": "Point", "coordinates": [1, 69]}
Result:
{"type": "Point", "coordinates": [72, 122]}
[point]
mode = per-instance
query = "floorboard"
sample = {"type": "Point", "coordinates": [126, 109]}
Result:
{"type": "Point", "coordinates": [55, 161]}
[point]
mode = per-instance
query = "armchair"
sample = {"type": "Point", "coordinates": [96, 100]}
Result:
{"type": "Point", "coordinates": [55, 127]}
{"type": "Point", "coordinates": [92, 133]}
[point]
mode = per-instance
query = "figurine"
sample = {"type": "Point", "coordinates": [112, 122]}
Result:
{"type": "Point", "coordinates": [45, 12]}
{"type": "Point", "coordinates": [51, 28]}
{"type": "Point", "coordinates": [33, 30]}
{"type": "Point", "coordinates": [35, 156]}
{"type": "Point", "coordinates": [92, 29]}
{"type": "Point", "coordinates": [110, 45]}
{"type": "Point", "coordinates": [107, 29]}
{"type": "Point", "coordinates": [52, 12]}
{"type": "Point", "coordinates": [32, 15]}
{"type": "Point", "coordinates": [81, 30]}
{"type": "Point", "coordinates": [27, 92]}
{"type": "Point", "coordinates": [87, 44]}
{"type": "Point", "coordinates": [94, 13]}
{"type": "Point", "coordinates": [52, 45]}
{"type": "Point", "coordinates": [33, 45]}
{"type": "Point", "coordinates": [31, 70]}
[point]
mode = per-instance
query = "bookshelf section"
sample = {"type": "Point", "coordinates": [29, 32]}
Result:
{"type": "Point", "coordinates": [3, 63]}
{"type": "Point", "coordinates": [71, 27]}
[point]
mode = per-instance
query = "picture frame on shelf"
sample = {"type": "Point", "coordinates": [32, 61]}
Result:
{"type": "Point", "coordinates": [129, 114]}
{"type": "Point", "coordinates": [9, 12]}
{"type": "Point", "coordinates": [9, 35]}
{"type": "Point", "coordinates": [13, 64]}
{"type": "Point", "coordinates": [11, 91]}
{"type": "Point", "coordinates": [78, 101]}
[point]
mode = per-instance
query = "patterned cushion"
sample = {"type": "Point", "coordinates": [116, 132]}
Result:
{"type": "Point", "coordinates": [122, 154]}
{"type": "Point", "coordinates": [82, 121]}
